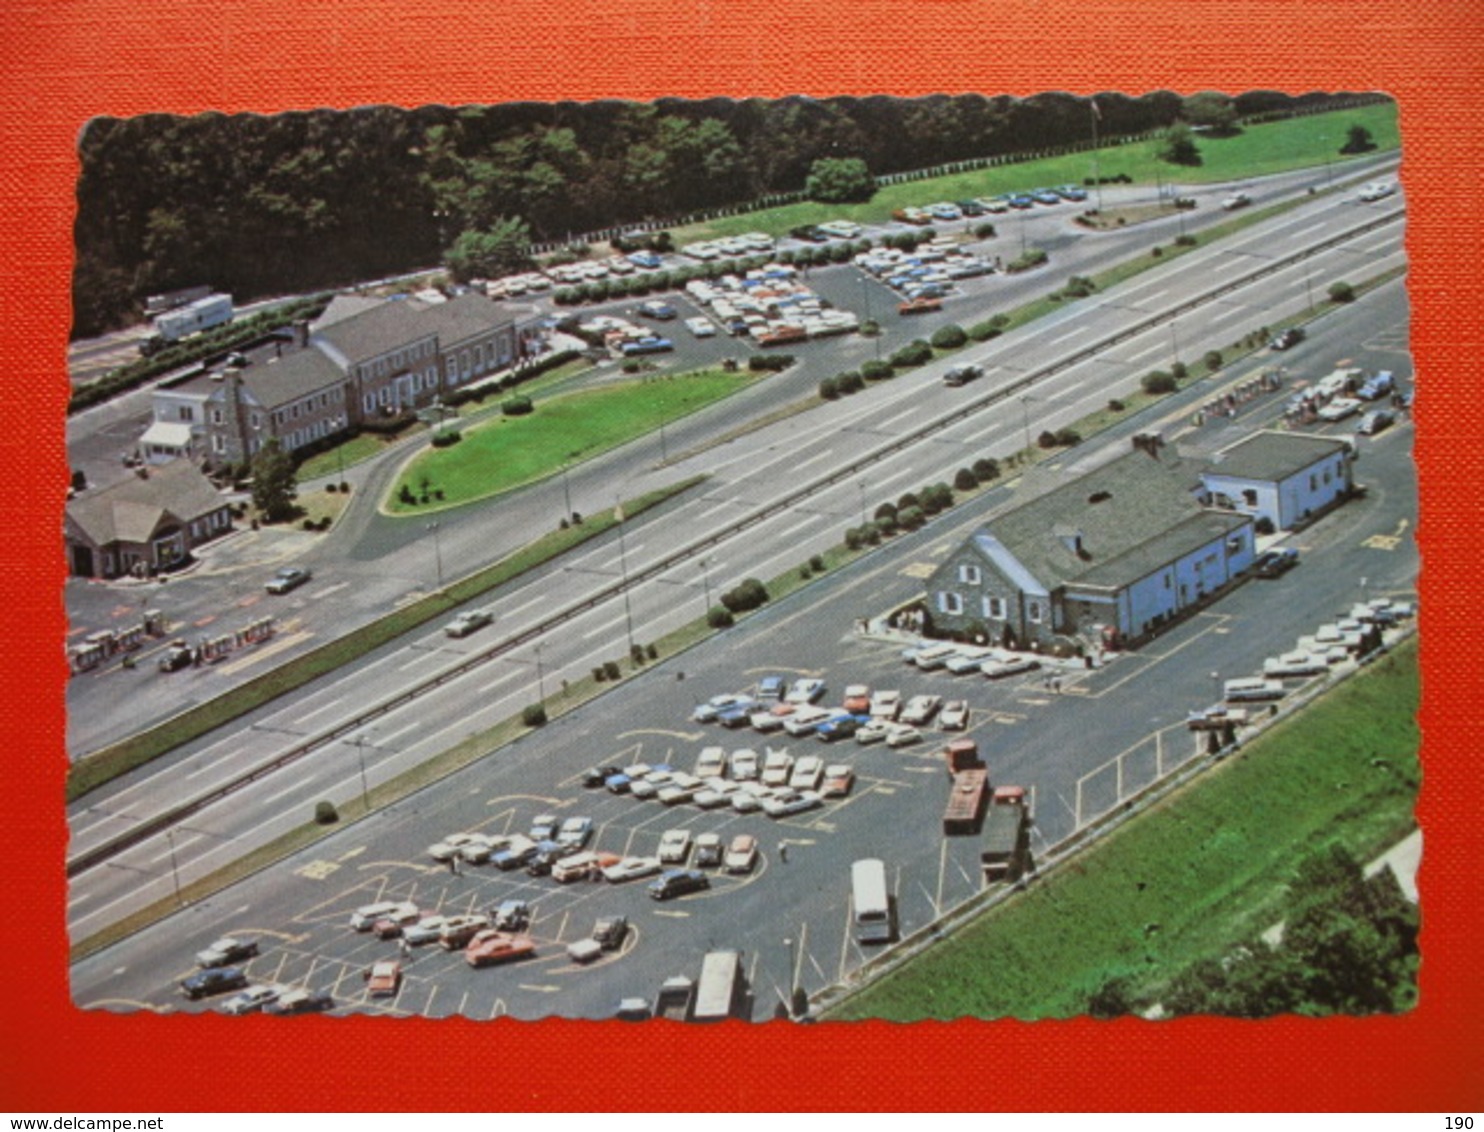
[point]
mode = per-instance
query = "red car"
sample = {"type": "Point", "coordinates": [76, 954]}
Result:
{"type": "Point", "coordinates": [390, 926]}
{"type": "Point", "coordinates": [384, 978]}
{"type": "Point", "coordinates": [491, 947]}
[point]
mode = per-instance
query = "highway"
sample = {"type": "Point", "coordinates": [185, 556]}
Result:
{"type": "Point", "coordinates": [790, 919]}
{"type": "Point", "coordinates": [746, 478]}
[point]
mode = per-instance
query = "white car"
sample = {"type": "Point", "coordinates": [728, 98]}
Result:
{"type": "Point", "coordinates": [783, 805]}
{"type": "Point", "coordinates": [749, 797]}
{"type": "Point", "coordinates": [681, 788]}
{"type": "Point", "coordinates": [575, 831]}
{"type": "Point", "coordinates": [650, 785]}
{"type": "Point", "coordinates": [804, 691]}
{"type": "Point", "coordinates": [674, 846]}
{"type": "Point", "coordinates": [921, 709]}
{"type": "Point", "coordinates": [807, 773]}
{"type": "Point", "coordinates": [901, 735]}
{"type": "Point", "coordinates": [232, 949]}
{"type": "Point", "coordinates": [701, 327]}
{"type": "Point", "coordinates": [469, 622]}
{"type": "Point", "coordinates": [632, 868]}
{"type": "Point", "coordinates": [708, 851]}
{"type": "Point", "coordinates": [886, 705]}
{"type": "Point", "coordinates": [1236, 200]}
{"type": "Point", "coordinates": [482, 847]}
{"type": "Point", "coordinates": [1376, 190]}
{"type": "Point", "coordinates": [998, 669]}
{"type": "Point", "coordinates": [1340, 408]}
{"type": "Point", "coordinates": [252, 1000]}
{"type": "Point", "coordinates": [716, 793]}
{"type": "Point", "coordinates": [874, 732]}
{"type": "Point", "coordinates": [767, 720]}
{"type": "Point", "coordinates": [744, 764]}
{"type": "Point", "coordinates": [955, 715]}
{"type": "Point", "coordinates": [777, 767]}
{"type": "Point", "coordinates": [967, 660]}
{"type": "Point", "coordinates": [426, 930]}
{"type": "Point", "coordinates": [364, 918]}
{"type": "Point", "coordinates": [707, 712]}
{"type": "Point", "coordinates": [805, 720]}
{"type": "Point", "coordinates": [449, 847]}
{"type": "Point", "coordinates": [712, 763]}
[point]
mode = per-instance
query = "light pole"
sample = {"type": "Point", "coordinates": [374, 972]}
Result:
{"type": "Point", "coordinates": [623, 567]}
{"type": "Point", "coordinates": [705, 586]}
{"type": "Point", "coordinates": [1097, 182]}
{"type": "Point", "coordinates": [540, 676]}
{"type": "Point", "coordinates": [1175, 341]}
{"type": "Point", "coordinates": [437, 552]}
{"type": "Point", "coordinates": [360, 743]}
{"type": "Point", "coordinates": [789, 990]}
{"type": "Point", "coordinates": [566, 491]}
{"type": "Point", "coordinates": [862, 485]}
{"type": "Point", "coordinates": [174, 868]}
{"type": "Point", "coordinates": [1025, 413]}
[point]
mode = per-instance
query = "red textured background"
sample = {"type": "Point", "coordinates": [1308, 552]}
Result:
{"type": "Point", "coordinates": [68, 60]}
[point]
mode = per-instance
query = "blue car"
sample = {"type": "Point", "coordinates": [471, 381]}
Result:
{"type": "Point", "coordinates": [648, 346]}
{"type": "Point", "coordinates": [771, 687]}
{"type": "Point", "coordinates": [1045, 196]}
{"type": "Point", "coordinates": [213, 980]}
{"type": "Point", "coordinates": [1021, 200]}
{"type": "Point", "coordinates": [647, 260]}
{"type": "Point", "coordinates": [1070, 192]}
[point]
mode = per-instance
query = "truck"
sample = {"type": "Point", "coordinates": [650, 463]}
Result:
{"type": "Point", "coordinates": [173, 300]}
{"type": "Point", "coordinates": [1002, 855]}
{"type": "Point", "coordinates": [175, 325]}
{"type": "Point", "coordinates": [721, 992]}
{"type": "Point", "coordinates": [677, 996]}
{"type": "Point", "coordinates": [962, 754]}
{"type": "Point", "coordinates": [965, 812]}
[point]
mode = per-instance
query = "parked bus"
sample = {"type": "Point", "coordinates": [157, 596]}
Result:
{"type": "Point", "coordinates": [874, 922]}
{"type": "Point", "coordinates": [721, 992]}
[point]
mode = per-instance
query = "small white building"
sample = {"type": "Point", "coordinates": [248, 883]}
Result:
{"type": "Point", "coordinates": [1284, 477]}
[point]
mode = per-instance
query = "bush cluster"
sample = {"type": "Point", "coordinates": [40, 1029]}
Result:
{"type": "Point", "coordinates": [1031, 257]}
{"type": "Point", "coordinates": [749, 594]}
{"type": "Point", "coordinates": [516, 406]}
{"type": "Point", "coordinates": [915, 353]}
{"type": "Point", "coordinates": [770, 363]}
{"type": "Point", "coordinates": [447, 438]}
{"type": "Point", "coordinates": [990, 328]}
{"type": "Point", "coordinates": [1157, 382]}
{"type": "Point", "coordinates": [949, 337]}
{"type": "Point", "coordinates": [1061, 438]}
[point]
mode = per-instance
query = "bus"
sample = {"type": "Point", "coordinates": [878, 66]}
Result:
{"type": "Point", "coordinates": [721, 992]}
{"type": "Point", "coordinates": [874, 922]}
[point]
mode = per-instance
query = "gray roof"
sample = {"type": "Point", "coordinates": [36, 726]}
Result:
{"type": "Point", "coordinates": [133, 510]}
{"type": "Point", "coordinates": [1269, 457]}
{"type": "Point", "coordinates": [468, 316]}
{"type": "Point", "coordinates": [342, 307]}
{"type": "Point", "coordinates": [389, 326]}
{"type": "Point", "coordinates": [1143, 509]}
{"type": "Point", "coordinates": [1163, 548]}
{"type": "Point", "coordinates": [290, 377]}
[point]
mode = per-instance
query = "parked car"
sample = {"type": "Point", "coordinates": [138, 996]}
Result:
{"type": "Point", "coordinates": [1340, 408]}
{"type": "Point", "coordinates": [955, 715]}
{"type": "Point", "coordinates": [999, 669]}
{"type": "Point", "coordinates": [749, 797]}
{"type": "Point", "coordinates": [511, 916]}
{"type": "Point", "coordinates": [921, 709]}
{"type": "Point", "coordinates": [777, 767]}
{"type": "Point", "coordinates": [674, 846]}
{"type": "Point", "coordinates": [491, 947]}
{"type": "Point", "coordinates": [857, 699]}
{"type": "Point", "coordinates": [711, 762]}
{"type": "Point", "coordinates": [213, 980]}
{"type": "Point", "coordinates": [392, 924]}
{"type": "Point", "coordinates": [805, 691]}
{"type": "Point", "coordinates": [289, 578]}
{"type": "Point", "coordinates": [771, 688]}
{"type": "Point", "coordinates": [701, 327]}
{"type": "Point", "coordinates": [650, 785]}
{"type": "Point", "coordinates": [300, 1000]}
{"type": "Point", "coordinates": [575, 832]}
{"type": "Point", "coordinates": [515, 855]}
{"type": "Point", "coordinates": [594, 777]}
{"type": "Point", "coordinates": [741, 854]}
{"type": "Point", "coordinates": [707, 712]}
{"type": "Point", "coordinates": [459, 930]}
{"type": "Point", "coordinates": [838, 779]}
{"type": "Point", "coordinates": [902, 735]}
{"type": "Point", "coordinates": [226, 951]}
{"type": "Point", "coordinates": [657, 309]}
{"type": "Point", "coordinates": [786, 804]}
{"type": "Point", "coordinates": [469, 622]}
{"type": "Point", "coordinates": [1272, 563]}
{"type": "Point", "coordinates": [840, 727]}
{"type": "Point", "coordinates": [252, 1000]}
{"type": "Point", "coordinates": [1377, 420]}
{"type": "Point", "coordinates": [610, 932]}
{"type": "Point", "coordinates": [678, 882]}
{"type": "Point", "coordinates": [544, 827]}
{"type": "Point", "coordinates": [807, 773]}
{"type": "Point", "coordinates": [548, 853]}
{"type": "Point", "coordinates": [383, 979]}
{"type": "Point", "coordinates": [886, 704]}
{"type": "Point", "coordinates": [364, 918]}
{"type": "Point", "coordinates": [177, 655]}
{"type": "Point", "coordinates": [1287, 339]}
{"type": "Point", "coordinates": [874, 732]}
{"type": "Point", "coordinates": [631, 868]}
{"type": "Point", "coordinates": [426, 930]}
{"type": "Point", "coordinates": [709, 852]}
{"type": "Point", "coordinates": [449, 847]}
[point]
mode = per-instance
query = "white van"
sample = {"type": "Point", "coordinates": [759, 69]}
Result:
{"type": "Point", "coordinates": [871, 903]}
{"type": "Point", "coordinates": [576, 867]}
{"type": "Point", "coordinates": [1253, 688]}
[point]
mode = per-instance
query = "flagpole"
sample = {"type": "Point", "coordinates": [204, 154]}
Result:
{"type": "Point", "coordinates": [623, 567]}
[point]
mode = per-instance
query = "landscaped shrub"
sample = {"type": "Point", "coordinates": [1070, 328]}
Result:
{"type": "Point", "coordinates": [965, 480]}
{"type": "Point", "coordinates": [598, 674]}
{"type": "Point", "coordinates": [876, 370]}
{"type": "Point", "coordinates": [516, 406]}
{"type": "Point", "coordinates": [1341, 293]}
{"type": "Point", "coordinates": [770, 362]}
{"type": "Point", "coordinates": [1031, 257]}
{"type": "Point", "coordinates": [871, 533]}
{"type": "Point", "coordinates": [829, 389]}
{"type": "Point", "coordinates": [983, 231]}
{"type": "Point", "coordinates": [447, 438]}
{"type": "Point", "coordinates": [1180, 370]}
{"type": "Point", "coordinates": [1157, 381]}
{"type": "Point", "coordinates": [990, 328]}
{"type": "Point", "coordinates": [1047, 439]}
{"type": "Point", "coordinates": [911, 518]}
{"type": "Point", "coordinates": [907, 499]}
{"type": "Point", "coordinates": [869, 328]}
{"type": "Point", "coordinates": [610, 669]}
{"type": "Point", "coordinates": [533, 715]}
{"type": "Point", "coordinates": [886, 523]}
{"type": "Point", "coordinates": [1115, 405]}
{"type": "Point", "coordinates": [1067, 437]}
{"type": "Point", "coordinates": [987, 469]}
{"type": "Point", "coordinates": [325, 813]}
{"type": "Point", "coordinates": [816, 563]}
{"type": "Point", "coordinates": [720, 618]}
{"type": "Point", "coordinates": [937, 497]}
{"type": "Point", "coordinates": [1213, 360]}
{"type": "Point", "coordinates": [405, 496]}
{"type": "Point", "coordinates": [749, 594]}
{"type": "Point", "coordinates": [850, 381]}
{"type": "Point", "coordinates": [949, 337]}
{"type": "Point", "coordinates": [853, 539]}
{"type": "Point", "coordinates": [886, 510]}
{"type": "Point", "coordinates": [914, 353]}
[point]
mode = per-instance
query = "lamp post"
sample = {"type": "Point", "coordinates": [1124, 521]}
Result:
{"type": "Point", "coordinates": [360, 743]}
{"type": "Point", "coordinates": [789, 990]}
{"type": "Point", "coordinates": [623, 567]}
{"type": "Point", "coordinates": [705, 586]}
{"type": "Point", "coordinates": [1175, 341]}
{"type": "Point", "coordinates": [1025, 413]}
{"type": "Point", "coordinates": [174, 868]}
{"type": "Point", "coordinates": [540, 676]}
{"type": "Point", "coordinates": [566, 491]}
{"type": "Point", "coordinates": [861, 484]}
{"type": "Point", "coordinates": [437, 552]}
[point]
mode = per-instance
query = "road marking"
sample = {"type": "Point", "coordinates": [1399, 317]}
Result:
{"type": "Point", "coordinates": [216, 762]}
{"type": "Point", "coordinates": [537, 600]}
{"type": "Point", "coordinates": [263, 652]}
{"type": "Point", "coordinates": [1156, 348]}
{"type": "Point", "coordinates": [814, 459]}
{"type": "Point", "coordinates": [316, 870]}
{"type": "Point", "coordinates": [542, 987]}
{"type": "Point", "coordinates": [603, 628]}
{"type": "Point", "coordinates": [918, 570]}
{"type": "Point", "coordinates": [1068, 334]}
{"type": "Point", "coordinates": [320, 595]}
{"type": "Point", "coordinates": [688, 736]}
{"type": "Point", "coordinates": [1382, 542]}
{"type": "Point", "coordinates": [331, 706]}
{"type": "Point", "coordinates": [903, 474]}
{"type": "Point", "coordinates": [674, 915]}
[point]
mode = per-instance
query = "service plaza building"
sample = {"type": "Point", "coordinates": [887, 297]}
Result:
{"type": "Point", "coordinates": [1108, 558]}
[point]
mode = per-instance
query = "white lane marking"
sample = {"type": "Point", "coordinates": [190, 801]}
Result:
{"type": "Point", "coordinates": [604, 627]}
{"type": "Point", "coordinates": [1156, 348]}
{"type": "Point", "coordinates": [331, 706]}
{"type": "Point", "coordinates": [216, 762]}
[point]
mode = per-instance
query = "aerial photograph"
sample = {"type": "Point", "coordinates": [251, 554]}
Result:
{"type": "Point", "coordinates": [813, 559]}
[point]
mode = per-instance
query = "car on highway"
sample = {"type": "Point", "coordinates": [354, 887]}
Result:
{"type": "Point", "coordinates": [1377, 420]}
{"type": "Point", "coordinates": [674, 846]}
{"type": "Point", "coordinates": [807, 773]}
{"type": "Point", "coordinates": [886, 704]}
{"type": "Point", "coordinates": [177, 655]}
{"type": "Point", "coordinates": [1376, 190]}
{"type": "Point", "coordinates": [777, 767]}
{"type": "Point", "coordinates": [998, 669]}
{"type": "Point", "coordinates": [383, 978]}
{"type": "Point", "coordinates": [575, 831]}
{"type": "Point", "coordinates": [921, 709]}
{"type": "Point", "coordinates": [712, 708]}
{"type": "Point", "coordinates": [468, 622]}
{"type": "Point", "coordinates": [289, 578]}
{"type": "Point", "coordinates": [791, 802]}
{"type": "Point", "coordinates": [805, 690]}
{"type": "Point", "coordinates": [1276, 562]}
{"type": "Point", "coordinates": [902, 735]}
{"type": "Point", "coordinates": [426, 930]}
{"type": "Point", "coordinates": [631, 868]}
{"type": "Point", "coordinates": [300, 1000]}
{"type": "Point", "coordinates": [874, 732]}
{"type": "Point", "coordinates": [511, 915]}
{"type": "Point", "coordinates": [838, 779]}
{"type": "Point", "coordinates": [213, 980]}
{"type": "Point", "coordinates": [954, 716]}
{"type": "Point", "coordinates": [709, 851]}
{"type": "Point", "coordinates": [741, 855]}
{"type": "Point", "coordinates": [962, 375]}
{"type": "Point", "coordinates": [226, 951]}
{"type": "Point", "coordinates": [711, 762]}
{"type": "Point", "coordinates": [857, 699]}
{"type": "Point", "coordinates": [678, 882]}
{"type": "Point", "coordinates": [492, 947]}
{"type": "Point", "coordinates": [1235, 200]}
{"type": "Point", "coordinates": [1287, 339]}
{"type": "Point", "coordinates": [744, 764]}
{"type": "Point", "coordinates": [252, 1000]}
{"type": "Point", "coordinates": [459, 930]}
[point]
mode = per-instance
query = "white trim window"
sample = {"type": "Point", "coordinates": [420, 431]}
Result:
{"type": "Point", "coordinates": [950, 602]}
{"type": "Point", "coordinates": [994, 608]}
{"type": "Point", "coordinates": [968, 573]}
{"type": "Point", "coordinates": [1034, 612]}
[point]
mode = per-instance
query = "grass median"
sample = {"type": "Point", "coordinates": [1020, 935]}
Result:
{"type": "Point", "coordinates": [1203, 870]}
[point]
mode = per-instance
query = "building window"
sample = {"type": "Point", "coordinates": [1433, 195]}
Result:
{"type": "Point", "coordinates": [1033, 612]}
{"type": "Point", "coordinates": [217, 416]}
{"type": "Point", "coordinates": [187, 413]}
{"type": "Point", "coordinates": [968, 573]}
{"type": "Point", "coordinates": [1313, 482]}
{"type": "Point", "coordinates": [950, 602]}
{"type": "Point", "coordinates": [1249, 496]}
{"type": "Point", "coordinates": [994, 607]}
{"type": "Point", "coordinates": [1326, 475]}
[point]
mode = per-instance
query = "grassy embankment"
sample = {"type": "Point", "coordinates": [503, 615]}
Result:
{"type": "Point", "coordinates": [1204, 870]}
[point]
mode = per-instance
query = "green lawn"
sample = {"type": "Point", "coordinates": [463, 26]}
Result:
{"type": "Point", "coordinates": [1198, 873]}
{"type": "Point", "coordinates": [504, 452]}
{"type": "Point", "coordinates": [1272, 147]}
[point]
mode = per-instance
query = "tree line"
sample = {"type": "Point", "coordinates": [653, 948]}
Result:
{"type": "Point", "coordinates": [263, 205]}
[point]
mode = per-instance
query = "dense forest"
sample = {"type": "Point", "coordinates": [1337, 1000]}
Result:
{"type": "Point", "coordinates": [259, 205]}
